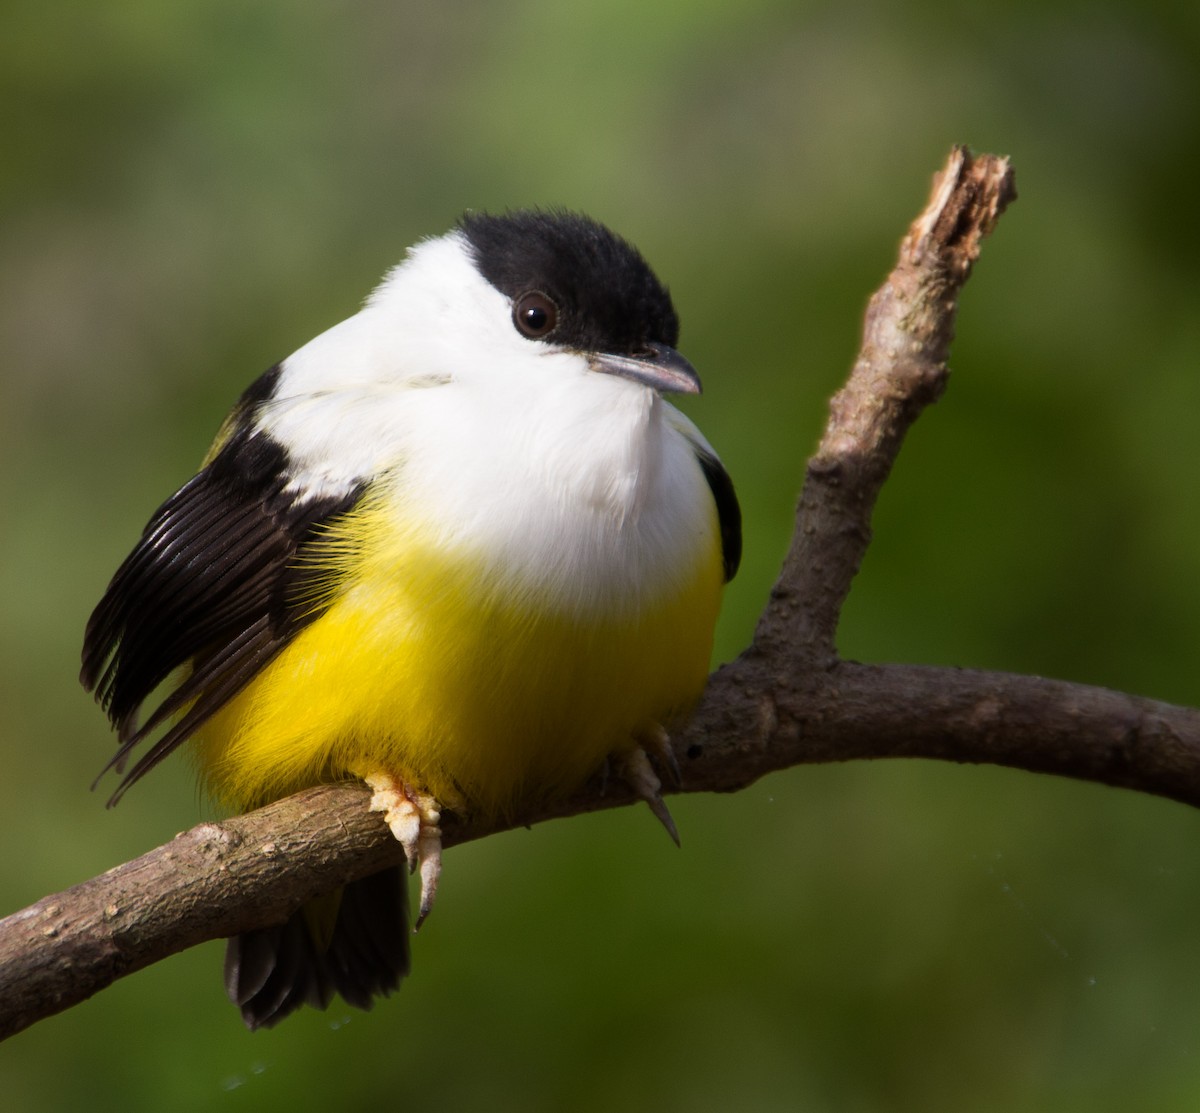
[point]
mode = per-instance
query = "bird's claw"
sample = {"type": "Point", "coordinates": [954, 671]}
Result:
{"type": "Point", "coordinates": [639, 774]}
{"type": "Point", "coordinates": [414, 818]}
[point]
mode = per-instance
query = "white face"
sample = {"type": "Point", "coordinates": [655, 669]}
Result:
{"type": "Point", "coordinates": [437, 307]}
{"type": "Point", "coordinates": [432, 316]}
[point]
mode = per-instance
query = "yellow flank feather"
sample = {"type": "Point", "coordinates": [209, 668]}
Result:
{"type": "Point", "coordinates": [426, 666]}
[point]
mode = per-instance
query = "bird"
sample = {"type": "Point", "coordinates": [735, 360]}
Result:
{"type": "Point", "coordinates": [459, 546]}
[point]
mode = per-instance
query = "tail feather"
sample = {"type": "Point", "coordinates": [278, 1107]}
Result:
{"type": "Point", "coordinates": [271, 972]}
{"type": "Point", "coordinates": [368, 954]}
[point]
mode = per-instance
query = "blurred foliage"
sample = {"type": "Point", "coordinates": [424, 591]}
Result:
{"type": "Point", "coordinates": [190, 190]}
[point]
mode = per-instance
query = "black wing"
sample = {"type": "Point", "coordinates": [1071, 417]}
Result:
{"type": "Point", "coordinates": [214, 582]}
{"type": "Point", "coordinates": [729, 513]}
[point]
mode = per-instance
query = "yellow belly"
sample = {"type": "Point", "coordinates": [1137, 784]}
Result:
{"type": "Point", "coordinates": [420, 669]}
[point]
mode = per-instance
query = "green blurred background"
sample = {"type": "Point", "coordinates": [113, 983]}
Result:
{"type": "Point", "coordinates": [192, 189]}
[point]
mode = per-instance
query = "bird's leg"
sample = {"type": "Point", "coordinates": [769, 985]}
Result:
{"type": "Point", "coordinates": [638, 772]}
{"type": "Point", "coordinates": [413, 817]}
{"type": "Point", "coordinates": [657, 743]}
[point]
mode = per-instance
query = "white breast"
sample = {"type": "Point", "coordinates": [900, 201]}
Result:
{"type": "Point", "coordinates": [597, 501]}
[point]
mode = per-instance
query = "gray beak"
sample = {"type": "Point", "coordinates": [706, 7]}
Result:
{"type": "Point", "coordinates": [657, 366]}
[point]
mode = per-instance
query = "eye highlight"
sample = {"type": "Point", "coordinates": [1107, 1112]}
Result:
{"type": "Point", "coordinates": [535, 315]}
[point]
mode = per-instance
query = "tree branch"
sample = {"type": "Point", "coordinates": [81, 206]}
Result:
{"type": "Point", "coordinates": [787, 700]}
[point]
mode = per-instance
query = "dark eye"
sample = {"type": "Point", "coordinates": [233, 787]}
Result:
{"type": "Point", "coordinates": [535, 315]}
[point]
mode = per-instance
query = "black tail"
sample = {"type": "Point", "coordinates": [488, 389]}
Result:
{"type": "Point", "coordinates": [271, 972]}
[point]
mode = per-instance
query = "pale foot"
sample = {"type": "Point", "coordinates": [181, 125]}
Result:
{"type": "Point", "coordinates": [657, 743]}
{"type": "Point", "coordinates": [638, 772]}
{"type": "Point", "coordinates": [413, 817]}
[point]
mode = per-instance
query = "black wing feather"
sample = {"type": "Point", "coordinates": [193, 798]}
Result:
{"type": "Point", "coordinates": [729, 512]}
{"type": "Point", "coordinates": [214, 583]}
